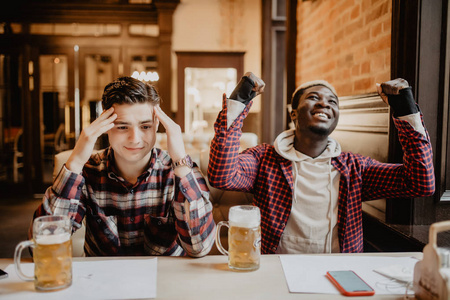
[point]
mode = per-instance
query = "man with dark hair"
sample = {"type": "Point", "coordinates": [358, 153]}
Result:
{"type": "Point", "coordinates": [308, 190]}
{"type": "Point", "coordinates": [135, 199]}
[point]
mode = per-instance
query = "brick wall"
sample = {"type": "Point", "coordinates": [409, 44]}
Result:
{"type": "Point", "coordinates": [345, 42]}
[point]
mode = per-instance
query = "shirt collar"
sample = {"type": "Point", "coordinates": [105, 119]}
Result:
{"type": "Point", "coordinates": [111, 167]}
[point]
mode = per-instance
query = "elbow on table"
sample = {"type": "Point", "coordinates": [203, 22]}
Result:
{"type": "Point", "coordinates": [202, 252]}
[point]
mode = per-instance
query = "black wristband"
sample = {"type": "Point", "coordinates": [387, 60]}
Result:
{"type": "Point", "coordinates": [403, 104]}
{"type": "Point", "coordinates": [243, 91]}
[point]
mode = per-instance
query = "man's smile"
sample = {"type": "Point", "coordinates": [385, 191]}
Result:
{"type": "Point", "coordinates": [134, 148]}
{"type": "Point", "coordinates": [321, 115]}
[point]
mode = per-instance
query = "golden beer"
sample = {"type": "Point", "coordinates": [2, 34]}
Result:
{"type": "Point", "coordinates": [52, 253]}
{"type": "Point", "coordinates": [53, 262]}
{"type": "Point", "coordinates": [244, 238]}
{"type": "Point", "coordinates": [244, 248]}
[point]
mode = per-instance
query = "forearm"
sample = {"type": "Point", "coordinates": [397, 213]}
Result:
{"type": "Point", "coordinates": [193, 211]}
{"type": "Point", "coordinates": [415, 121]}
{"type": "Point", "coordinates": [417, 159]}
{"type": "Point", "coordinates": [228, 169]}
{"type": "Point", "coordinates": [413, 178]}
{"type": "Point", "coordinates": [63, 197]}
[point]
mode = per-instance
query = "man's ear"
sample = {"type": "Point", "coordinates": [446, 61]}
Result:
{"type": "Point", "coordinates": [294, 115]}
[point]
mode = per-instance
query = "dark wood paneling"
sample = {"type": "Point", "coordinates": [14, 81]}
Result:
{"type": "Point", "coordinates": [160, 12]}
{"type": "Point", "coordinates": [54, 12]}
{"type": "Point", "coordinates": [291, 50]}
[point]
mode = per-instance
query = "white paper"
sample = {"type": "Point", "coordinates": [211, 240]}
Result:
{"type": "Point", "coordinates": [109, 279]}
{"type": "Point", "coordinates": [306, 273]}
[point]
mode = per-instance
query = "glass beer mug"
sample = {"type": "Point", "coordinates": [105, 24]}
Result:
{"type": "Point", "coordinates": [244, 238]}
{"type": "Point", "coordinates": [52, 253]}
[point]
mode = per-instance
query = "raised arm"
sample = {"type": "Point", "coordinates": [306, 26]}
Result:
{"type": "Point", "coordinates": [415, 176]}
{"type": "Point", "coordinates": [227, 168]}
{"type": "Point", "coordinates": [192, 207]}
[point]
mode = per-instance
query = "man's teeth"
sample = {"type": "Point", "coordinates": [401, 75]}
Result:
{"type": "Point", "coordinates": [322, 115]}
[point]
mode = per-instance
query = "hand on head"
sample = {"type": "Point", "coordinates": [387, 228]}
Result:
{"type": "Point", "coordinates": [175, 144]}
{"type": "Point", "coordinates": [88, 137]}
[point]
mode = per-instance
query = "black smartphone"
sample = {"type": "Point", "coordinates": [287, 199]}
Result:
{"type": "Point", "coordinates": [3, 274]}
{"type": "Point", "coordinates": [350, 284]}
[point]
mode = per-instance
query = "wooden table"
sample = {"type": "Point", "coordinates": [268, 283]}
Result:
{"type": "Point", "coordinates": [209, 278]}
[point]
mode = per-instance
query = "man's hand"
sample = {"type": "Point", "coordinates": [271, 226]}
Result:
{"type": "Point", "coordinates": [248, 88]}
{"type": "Point", "coordinates": [86, 142]}
{"type": "Point", "coordinates": [258, 85]}
{"type": "Point", "coordinates": [398, 95]}
{"type": "Point", "coordinates": [175, 143]}
{"type": "Point", "coordinates": [391, 87]}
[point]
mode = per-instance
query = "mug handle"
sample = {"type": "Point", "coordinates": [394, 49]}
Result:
{"type": "Point", "coordinates": [218, 242]}
{"type": "Point", "coordinates": [18, 255]}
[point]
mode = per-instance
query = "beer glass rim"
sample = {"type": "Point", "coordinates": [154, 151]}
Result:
{"type": "Point", "coordinates": [245, 207]}
{"type": "Point", "coordinates": [49, 222]}
{"type": "Point", "coordinates": [51, 218]}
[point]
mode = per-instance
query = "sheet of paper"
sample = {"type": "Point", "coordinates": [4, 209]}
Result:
{"type": "Point", "coordinates": [306, 273]}
{"type": "Point", "coordinates": [111, 279]}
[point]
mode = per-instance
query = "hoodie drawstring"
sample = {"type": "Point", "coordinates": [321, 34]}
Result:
{"type": "Point", "coordinates": [330, 210]}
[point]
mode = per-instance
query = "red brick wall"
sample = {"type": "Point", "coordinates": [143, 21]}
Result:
{"type": "Point", "coordinates": [345, 42]}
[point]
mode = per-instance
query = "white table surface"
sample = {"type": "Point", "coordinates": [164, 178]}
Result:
{"type": "Point", "coordinates": [209, 278]}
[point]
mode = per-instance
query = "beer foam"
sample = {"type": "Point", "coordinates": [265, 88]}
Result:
{"type": "Point", "coordinates": [244, 216]}
{"type": "Point", "coordinates": [53, 239]}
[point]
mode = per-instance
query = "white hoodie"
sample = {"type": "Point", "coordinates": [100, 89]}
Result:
{"type": "Point", "coordinates": [311, 227]}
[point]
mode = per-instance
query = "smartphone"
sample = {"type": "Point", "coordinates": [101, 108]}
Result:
{"type": "Point", "coordinates": [350, 284]}
{"type": "Point", "coordinates": [3, 274]}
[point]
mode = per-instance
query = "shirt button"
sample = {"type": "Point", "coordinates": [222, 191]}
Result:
{"type": "Point", "coordinates": [98, 221]}
{"type": "Point", "coordinates": [132, 191]}
{"type": "Point", "coordinates": [159, 222]}
{"type": "Point", "coordinates": [132, 219]}
{"type": "Point", "coordinates": [274, 249]}
{"type": "Point", "coordinates": [79, 187]}
{"type": "Point", "coordinates": [283, 225]}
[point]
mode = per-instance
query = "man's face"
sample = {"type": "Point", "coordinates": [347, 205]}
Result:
{"type": "Point", "coordinates": [134, 133]}
{"type": "Point", "coordinates": [317, 111]}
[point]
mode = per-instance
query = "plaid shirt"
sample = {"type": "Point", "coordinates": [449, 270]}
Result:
{"type": "Point", "coordinates": [159, 215]}
{"type": "Point", "coordinates": [263, 172]}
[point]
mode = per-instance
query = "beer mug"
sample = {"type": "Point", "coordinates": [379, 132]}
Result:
{"type": "Point", "coordinates": [52, 253]}
{"type": "Point", "coordinates": [244, 238]}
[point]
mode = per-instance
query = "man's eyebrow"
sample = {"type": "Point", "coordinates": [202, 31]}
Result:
{"type": "Point", "coordinates": [317, 93]}
{"type": "Point", "coordinates": [121, 123]}
{"type": "Point", "coordinates": [128, 123]}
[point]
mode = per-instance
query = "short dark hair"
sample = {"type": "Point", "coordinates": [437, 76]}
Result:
{"type": "Point", "coordinates": [296, 97]}
{"type": "Point", "coordinates": [301, 90]}
{"type": "Point", "coordinates": [127, 90]}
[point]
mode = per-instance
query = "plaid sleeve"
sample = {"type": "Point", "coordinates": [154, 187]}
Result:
{"type": "Point", "coordinates": [63, 197]}
{"type": "Point", "coordinates": [413, 178]}
{"type": "Point", "coordinates": [227, 169]}
{"type": "Point", "coordinates": [193, 211]}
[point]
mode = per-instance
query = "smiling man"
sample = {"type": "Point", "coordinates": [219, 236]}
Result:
{"type": "Point", "coordinates": [308, 190]}
{"type": "Point", "coordinates": [135, 199]}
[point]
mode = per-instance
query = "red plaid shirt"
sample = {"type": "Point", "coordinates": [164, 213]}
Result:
{"type": "Point", "coordinates": [148, 218]}
{"type": "Point", "coordinates": [263, 172]}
